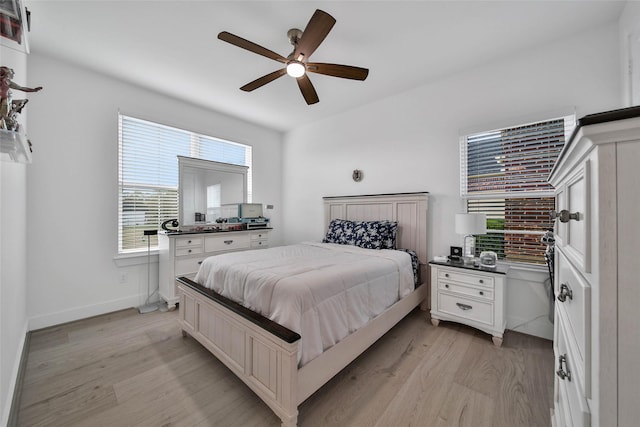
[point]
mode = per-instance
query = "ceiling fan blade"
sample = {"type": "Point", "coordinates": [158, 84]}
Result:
{"type": "Point", "coordinates": [337, 70]}
{"type": "Point", "coordinates": [317, 29]}
{"type": "Point", "coordinates": [251, 46]}
{"type": "Point", "coordinates": [307, 89]}
{"type": "Point", "coordinates": [263, 80]}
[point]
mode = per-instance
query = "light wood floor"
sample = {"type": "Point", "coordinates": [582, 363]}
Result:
{"type": "Point", "coordinates": [130, 369]}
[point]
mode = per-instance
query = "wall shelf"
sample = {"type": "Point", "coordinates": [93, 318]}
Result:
{"type": "Point", "coordinates": [14, 147]}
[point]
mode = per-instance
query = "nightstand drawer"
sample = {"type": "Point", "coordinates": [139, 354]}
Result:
{"type": "Point", "coordinates": [466, 290]}
{"type": "Point", "coordinates": [467, 308]}
{"type": "Point", "coordinates": [470, 279]}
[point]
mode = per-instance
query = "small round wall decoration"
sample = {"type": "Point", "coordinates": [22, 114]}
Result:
{"type": "Point", "coordinates": [357, 175]}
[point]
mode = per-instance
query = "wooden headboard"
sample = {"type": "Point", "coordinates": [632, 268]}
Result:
{"type": "Point", "coordinates": [409, 209]}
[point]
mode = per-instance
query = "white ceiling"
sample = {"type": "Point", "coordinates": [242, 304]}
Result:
{"type": "Point", "coordinates": [172, 47]}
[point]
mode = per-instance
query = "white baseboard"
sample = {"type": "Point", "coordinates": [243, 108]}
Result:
{"type": "Point", "coordinates": [6, 408]}
{"type": "Point", "coordinates": [51, 319]}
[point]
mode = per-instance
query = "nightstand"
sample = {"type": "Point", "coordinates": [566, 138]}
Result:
{"type": "Point", "coordinates": [474, 296]}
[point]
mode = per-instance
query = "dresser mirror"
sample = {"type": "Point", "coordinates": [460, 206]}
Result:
{"type": "Point", "coordinates": [204, 187]}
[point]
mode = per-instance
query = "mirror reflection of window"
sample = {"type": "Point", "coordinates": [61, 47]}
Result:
{"type": "Point", "coordinates": [213, 202]}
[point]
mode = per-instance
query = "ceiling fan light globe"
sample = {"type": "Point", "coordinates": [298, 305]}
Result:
{"type": "Point", "coordinates": [296, 69]}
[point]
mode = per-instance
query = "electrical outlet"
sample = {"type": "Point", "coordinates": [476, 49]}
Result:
{"type": "Point", "coordinates": [123, 277]}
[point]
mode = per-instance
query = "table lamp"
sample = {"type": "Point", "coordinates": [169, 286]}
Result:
{"type": "Point", "coordinates": [469, 224]}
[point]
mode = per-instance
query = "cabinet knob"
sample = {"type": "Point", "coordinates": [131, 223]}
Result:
{"type": "Point", "coordinates": [562, 361]}
{"type": "Point", "coordinates": [446, 286]}
{"type": "Point", "coordinates": [189, 241]}
{"type": "Point", "coordinates": [189, 251]}
{"type": "Point", "coordinates": [565, 216]}
{"type": "Point", "coordinates": [481, 293]}
{"type": "Point", "coordinates": [481, 281]}
{"type": "Point", "coordinates": [199, 262]}
{"type": "Point", "coordinates": [446, 274]}
{"type": "Point", "coordinates": [565, 292]}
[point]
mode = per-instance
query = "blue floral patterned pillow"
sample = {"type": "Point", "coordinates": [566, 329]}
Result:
{"type": "Point", "coordinates": [365, 234]}
{"type": "Point", "coordinates": [340, 231]}
{"type": "Point", "coordinates": [375, 234]}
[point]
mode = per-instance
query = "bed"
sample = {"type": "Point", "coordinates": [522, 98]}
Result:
{"type": "Point", "coordinates": [269, 356]}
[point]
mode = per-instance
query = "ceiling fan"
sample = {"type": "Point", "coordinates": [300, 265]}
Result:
{"type": "Point", "coordinates": [297, 63]}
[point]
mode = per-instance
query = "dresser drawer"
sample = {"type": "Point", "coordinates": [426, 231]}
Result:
{"type": "Point", "coordinates": [574, 235]}
{"type": "Point", "coordinates": [465, 308]}
{"type": "Point", "coordinates": [188, 251]}
{"type": "Point", "coordinates": [256, 244]}
{"type": "Point", "coordinates": [470, 279]}
{"type": "Point", "coordinates": [573, 304]}
{"type": "Point", "coordinates": [259, 236]}
{"type": "Point", "coordinates": [188, 242]}
{"type": "Point", "coordinates": [227, 243]}
{"type": "Point", "coordinates": [188, 265]}
{"type": "Point", "coordinates": [569, 398]}
{"type": "Point", "coordinates": [473, 291]}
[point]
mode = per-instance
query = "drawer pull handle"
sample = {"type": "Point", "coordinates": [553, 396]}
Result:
{"type": "Point", "coordinates": [446, 274]}
{"type": "Point", "coordinates": [481, 281]}
{"type": "Point", "coordinates": [565, 215]}
{"type": "Point", "coordinates": [562, 360]}
{"type": "Point", "coordinates": [464, 307]}
{"type": "Point", "coordinates": [481, 293]}
{"type": "Point", "coordinates": [189, 251]}
{"type": "Point", "coordinates": [189, 241]}
{"type": "Point", "coordinates": [228, 242]}
{"type": "Point", "coordinates": [446, 286]}
{"type": "Point", "coordinates": [565, 291]}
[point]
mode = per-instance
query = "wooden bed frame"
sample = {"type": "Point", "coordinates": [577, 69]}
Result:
{"type": "Point", "coordinates": [263, 353]}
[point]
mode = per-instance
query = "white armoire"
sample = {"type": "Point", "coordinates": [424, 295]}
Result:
{"type": "Point", "coordinates": [597, 273]}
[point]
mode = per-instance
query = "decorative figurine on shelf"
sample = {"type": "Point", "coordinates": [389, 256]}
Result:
{"type": "Point", "coordinates": [10, 108]}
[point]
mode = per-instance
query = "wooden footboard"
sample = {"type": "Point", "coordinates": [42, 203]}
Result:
{"type": "Point", "coordinates": [264, 354]}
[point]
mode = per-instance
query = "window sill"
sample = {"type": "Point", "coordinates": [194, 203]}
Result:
{"type": "Point", "coordinates": [526, 271]}
{"type": "Point", "coordinates": [136, 258]}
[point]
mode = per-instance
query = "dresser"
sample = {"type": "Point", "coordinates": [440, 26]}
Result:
{"type": "Point", "coordinates": [597, 273]}
{"type": "Point", "coordinates": [181, 254]}
{"type": "Point", "coordinates": [470, 295]}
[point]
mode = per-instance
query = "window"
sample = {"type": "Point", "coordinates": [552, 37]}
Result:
{"type": "Point", "coordinates": [504, 175]}
{"type": "Point", "coordinates": [148, 174]}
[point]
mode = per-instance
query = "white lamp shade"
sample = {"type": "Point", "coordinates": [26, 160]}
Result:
{"type": "Point", "coordinates": [471, 223]}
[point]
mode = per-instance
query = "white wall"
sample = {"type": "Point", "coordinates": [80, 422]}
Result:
{"type": "Point", "coordinates": [72, 186]}
{"type": "Point", "coordinates": [409, 142]}
{"type": "Point", "coordinates": [13, 252]}
{"type": "Point", "coordinates": [630, 49]}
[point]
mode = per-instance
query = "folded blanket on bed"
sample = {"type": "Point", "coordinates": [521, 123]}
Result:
{"type": "Point", "coordinates": [322, 291]}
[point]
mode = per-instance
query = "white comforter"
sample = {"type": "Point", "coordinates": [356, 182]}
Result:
{"type": "Point", "coordinates": [322, 291]}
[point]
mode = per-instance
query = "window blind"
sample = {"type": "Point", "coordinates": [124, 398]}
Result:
{"type": "Point", "coordinates": [512, 160]}
{"type": "Point", "coordinates": [504, 175]}
{"type": "Point", "coordinates": [148, 174]}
